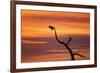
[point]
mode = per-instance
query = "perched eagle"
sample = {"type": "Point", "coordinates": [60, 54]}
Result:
{"type": "Point", "coordinates": [51, 27]}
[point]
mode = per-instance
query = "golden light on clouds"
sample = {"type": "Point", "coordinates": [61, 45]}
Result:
{"type": "Point", "coordinates": [34, 42]}
{"type": "Point", "coordinates": [35, 23]}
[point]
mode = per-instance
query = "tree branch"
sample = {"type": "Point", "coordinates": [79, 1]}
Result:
{"type": "Point", "coordinates": [66, 45]}
{"type": "Point", "coordinates": [80, 55]}
{"type": "Point", "coordinates": [69, 40]}
{"type": "Point", "coordinates": [57, 37]}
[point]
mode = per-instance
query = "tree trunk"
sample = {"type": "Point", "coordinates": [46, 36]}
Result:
{"type": "Point", "coordinates": [70, 51]}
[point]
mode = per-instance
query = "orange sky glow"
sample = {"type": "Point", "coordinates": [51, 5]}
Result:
{"type": "Point", "coordinates": [34, 42]}
{"type": "Point", "coordinates": [35, 23]}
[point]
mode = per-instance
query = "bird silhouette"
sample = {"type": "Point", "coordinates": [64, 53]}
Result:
{"type": "Point", "coordinates": [51, 27]}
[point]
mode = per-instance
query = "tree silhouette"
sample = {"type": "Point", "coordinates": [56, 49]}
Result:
{"type": "Point", "coordinates": [72, 54]}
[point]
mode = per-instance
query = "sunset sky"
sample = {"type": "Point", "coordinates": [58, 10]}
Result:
{"type": "Point", "coordinates": [36, 35]}
{"type": "Point", "coordinates": [35, 23]}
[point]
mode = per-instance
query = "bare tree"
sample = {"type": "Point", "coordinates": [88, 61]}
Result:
{"type": "Point", "coordinates": [72, 54]}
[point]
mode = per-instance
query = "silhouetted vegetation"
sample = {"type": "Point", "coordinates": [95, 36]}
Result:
{"type": "Point", "coordinates": [72, 54]}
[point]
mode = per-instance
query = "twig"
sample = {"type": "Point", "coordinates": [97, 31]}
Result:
{"type": "Point", "coordinates": [80, 55]}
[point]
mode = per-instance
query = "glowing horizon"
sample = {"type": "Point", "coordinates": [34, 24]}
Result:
{"type": "Point", "coordinates": [34, 42]}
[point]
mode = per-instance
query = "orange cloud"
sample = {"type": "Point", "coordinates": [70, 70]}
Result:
{"type": "Point", "coordinates": [34, 42]}
{"type": "Point", "coordinates": [35, 23]}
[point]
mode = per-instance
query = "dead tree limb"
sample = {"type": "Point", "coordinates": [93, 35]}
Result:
{"type": "Point", "coordinates": [72, 54]}
{"type": "Point", "coordinates": [80, 55]}
{"type": "Point", "coordinates": [66, 45]}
